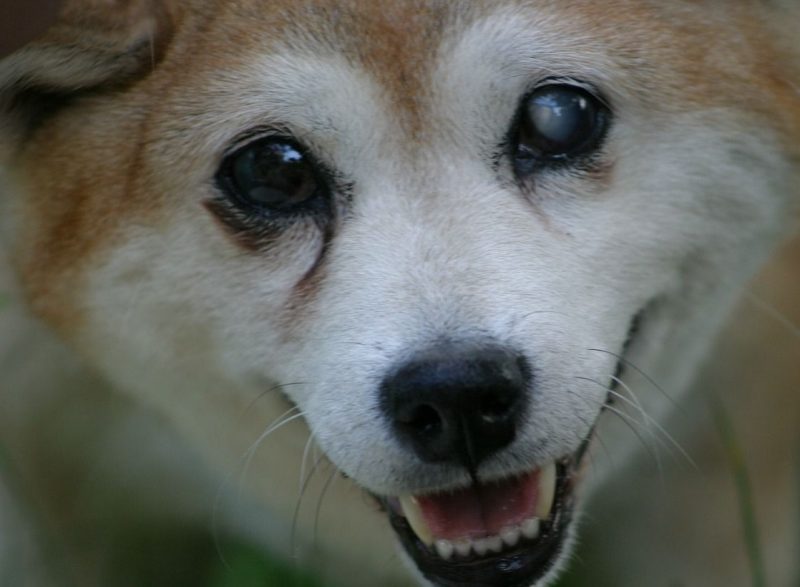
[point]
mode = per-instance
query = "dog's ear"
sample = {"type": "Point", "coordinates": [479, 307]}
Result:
{"type": "Point", "coordinates": [92, 44]}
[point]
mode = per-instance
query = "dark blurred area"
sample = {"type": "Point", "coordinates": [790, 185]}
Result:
{"type": "Point", "coordinates": [22, 21]}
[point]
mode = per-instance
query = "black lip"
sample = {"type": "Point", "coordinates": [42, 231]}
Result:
{"type": "Point", "coordinates": [521, 566]}
{"type": "Point", "coordinates": [622, 364]}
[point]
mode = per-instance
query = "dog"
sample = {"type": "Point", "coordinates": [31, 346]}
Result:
{"type": "Point", "coordinates": [431, 243]}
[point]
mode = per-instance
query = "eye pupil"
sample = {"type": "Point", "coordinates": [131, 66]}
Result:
{"type": "Point", "coordinates": [560, 122]}
{"type": "Point", "coordinates": [270, 174]}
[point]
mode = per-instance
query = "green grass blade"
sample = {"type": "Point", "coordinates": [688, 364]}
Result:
{"type": "Point", "coordinates": [741, 479]}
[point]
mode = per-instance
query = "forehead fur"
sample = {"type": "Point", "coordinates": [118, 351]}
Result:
{"type": "Point", "coordinates": [398, 44]}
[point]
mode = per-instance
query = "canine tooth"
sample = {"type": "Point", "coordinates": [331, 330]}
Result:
{"type": "Point", "coordinates": [445, 549]}
{"type": "Point", "coordinates": [463, 547]}
{"type": "Point", "coordinates": [495, 544]}
{"type": "Point", "coordinates": [547, 491]}
{"type": "Point", "coordinates": [510, 535]}
{"type": "Point", "coordinates": [530, 528]}
{"type": "Point", "coordinates": [413, 514]}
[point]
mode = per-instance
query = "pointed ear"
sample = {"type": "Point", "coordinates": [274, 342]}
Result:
{"type": "Point", "coordinates": [93, 42]}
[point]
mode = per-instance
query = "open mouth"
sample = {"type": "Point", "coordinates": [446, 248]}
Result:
{"type": "Point", "coordinates": [506, 533]}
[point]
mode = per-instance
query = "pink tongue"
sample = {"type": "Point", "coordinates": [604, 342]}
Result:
{"type": "Point", "coordinates": [482, 510]}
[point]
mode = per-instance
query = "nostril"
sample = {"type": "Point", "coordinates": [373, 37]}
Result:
{"type": "Point", "coordinates": [495, 409]}
{"type": "Point", "coordinates": [423, 419]}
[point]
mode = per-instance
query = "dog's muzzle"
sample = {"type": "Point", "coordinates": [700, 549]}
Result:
{"type": "Point", "coordinates": [459, 407]}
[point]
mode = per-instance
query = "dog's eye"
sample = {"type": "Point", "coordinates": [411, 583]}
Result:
{"type": "Point", "coordinates": [559, 123]}
{"type": "Point", "coordinates": [270, 175]}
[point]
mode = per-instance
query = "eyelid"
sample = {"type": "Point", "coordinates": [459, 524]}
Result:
{"type": "Point", "coordinates": [257, 134]}
{"type": "Point", "coordinates": [572, 82]}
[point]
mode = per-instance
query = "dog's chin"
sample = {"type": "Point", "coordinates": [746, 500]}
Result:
{"type": "Point", "coordinates": [510, 532]}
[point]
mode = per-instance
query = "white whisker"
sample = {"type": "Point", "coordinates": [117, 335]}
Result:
{"type": "Point", "coordinates": [306, 453]}
{"type": "Point", "coordinates": [647, 377]}
{"type": "Point", "coordinates": [280, 422]}
{"type": "Point", "coordinates": [632, 424]}
{"type": "Point", "coordinates": [774, 313]}
{"type": "Point", "coordinates": [283, 419]}
{"type": "Point", "coordinates": [296, 514]}
{"type": "Point", "coordinates": [318, 509]}
{"type": "Point", "coordinates": [629, 423]}
{"type": "Point", "coordinates": [589, 425]}
{"type": "Point", "coordinates": [651, 421]}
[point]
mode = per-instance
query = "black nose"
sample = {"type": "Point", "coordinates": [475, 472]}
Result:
{"type": "Point", "coordinates": [458, 405]}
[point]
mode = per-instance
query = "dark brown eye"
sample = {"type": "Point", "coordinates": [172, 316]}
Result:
{"type": "Point", "coordinates": [271, 175]}
{"type": "Point", "coordinates": [559, 123]}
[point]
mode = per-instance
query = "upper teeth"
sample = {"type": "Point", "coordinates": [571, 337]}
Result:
{"type": "Point", "coordinates": [508, 537]}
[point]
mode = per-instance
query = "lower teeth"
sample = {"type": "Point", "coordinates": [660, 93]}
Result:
{"type": "Point", "coordinates": [530, 528]}
{"type": "Point", "coordinates": [445, 549]}
{"type": "Point", "coordinates": [508, 538]}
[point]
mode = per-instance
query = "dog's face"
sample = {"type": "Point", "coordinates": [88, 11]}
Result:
{"type": "Point", "coordinates": [449, 232]}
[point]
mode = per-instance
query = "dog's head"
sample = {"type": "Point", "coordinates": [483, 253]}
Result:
{"type": "Point", "coordinates": [442, 229]}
